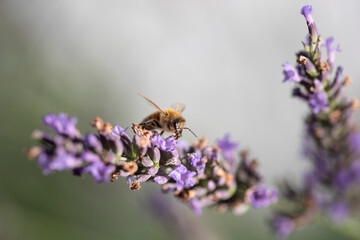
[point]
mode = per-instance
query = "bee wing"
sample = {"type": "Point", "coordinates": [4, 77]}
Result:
{"type": "Point", "coordinates": [152, 103]}
{"type": "Point", "coordinates": [179, 107]}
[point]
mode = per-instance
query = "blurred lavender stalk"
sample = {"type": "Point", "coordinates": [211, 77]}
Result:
{"type": "Point", "coordinates": [196, 174]}
{"type": "Point", "coordinates": [332, 141]}
{"type": "Point", "coordinates": [181, 226]}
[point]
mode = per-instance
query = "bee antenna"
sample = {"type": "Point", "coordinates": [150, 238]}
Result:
{"type": "Point", "coordinates": [190, 131]}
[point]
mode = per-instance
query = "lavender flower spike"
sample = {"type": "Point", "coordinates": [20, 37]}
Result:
{"type": "Point", "coordinates": [196, 174]}
{"type": "Point", "coordinates": [290, 74]}
{"type": "Point", "coordinates": [331, 186]}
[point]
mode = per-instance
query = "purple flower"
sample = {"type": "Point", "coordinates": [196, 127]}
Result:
{"type": "Point", "coordinates": [120, 132]}
{"type": "Point", "coordinates": [43, 161]}
{"type": "Point", "coordinates": [196, 204]}
{"type": "Point", "coordinates": [115, 144]}
{"type": "Point", "coordinates": [147, 162]}
{"type": "Point", "coordinates": [343, 179]}
{"type": "Point", "coordinates": [62, 124]}
{"type": "Point", "coordinates": [310, 68]}
{"type": "Point", "coordinates": [306, 11]}
{"type": "Point", "coordinates": [317, 101]}
{"type": "Point", "coordinates": [92, 141]}
{"type": "Point", "coordinates": [318, 86]}
{"type": "Point", "coordinates": [143, 177]}
{"type": "Point", "coordinates": [109, 157]}
{"type": "Point", "coordinates": [167, 144]}
{"type": "Point", "coordinates": [313, 37]}
{"type": "Point", "coordinates": [64, 161]}
{"type": "Point", "coordinates": [228, 148]}
{"type": "Point", "coordinates": [90, 157]}
{"type": "Point", "coordinates": [260, 196]}
{"type": "Point", "coordinates": [100, 171]}
{"type": "Point", "coordinates": [196, 162]}
{"type": "Point", "coordinates": [222, 194]}
{"type": "Point", "coordinates": [211, 185]}
{"type": "Point", "coordinates": [182, 176]}
{"type": "Point", "coordinates": [130, 179]}
{"type": "Point", "coordinates": [160, 180]}
{"type": "Point", "coordinates": [157, 140]}
{"type": "Point", "coordinates": [61, 161]}
{"type": "Point", "coordinates": [152, 171]}
{"type": "Point", "coordinates": [290, 73]}
{"type": "Point", "coordinates": [331, 50]}
{"type": "Point", "coordinates": [155, 154]}
{"type": "Point", "coordinates": [353, 141]}
{"type": "Point", "coordinates": [283, 226]}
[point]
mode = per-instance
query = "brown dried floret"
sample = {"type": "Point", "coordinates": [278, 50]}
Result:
{"type": "Point", "coordinates": [100, 125]}
{"type": "Point", "coordinates": [202, 143]}
{"type": "Point", "coordinates": [355, 104]}
{"type": "Point", "coordinates": [335, 116]}
{"type": "Point", "coordinates": [185, 194]}
{"type": "Point", "coordinates": [33, 152]}
{"type": "Point", "coordinates": [324, 66]}
{"type": "Point", "coordinates": [135, 185]}
{"type": "Point", "coordinates": [301, 60]}
{"type": "Point", "coordinates": [130, 167]}
{"type": "Point", "coordinates": [347, 81]}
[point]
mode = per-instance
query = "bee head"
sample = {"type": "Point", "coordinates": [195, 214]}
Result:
{"type": "Point", "coordinates": [176, 126]}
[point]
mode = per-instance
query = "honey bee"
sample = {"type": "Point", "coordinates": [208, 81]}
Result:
{"type": "Point", "coordinates": [168, 120]}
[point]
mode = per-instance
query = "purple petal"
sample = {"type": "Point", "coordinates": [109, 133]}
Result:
{"type": "Point", "coordinates": [160, 180]}
{"type": "Point", "coordinates": [147, 162]}
{"type": "Point", "coordinates": [290, 73]}
{"type": "Point", "coordinates": [307, 11]}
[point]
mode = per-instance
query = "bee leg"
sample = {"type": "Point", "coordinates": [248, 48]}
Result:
{"type": "Point", "coordinates": [162, 132]}
{"type": "Point", "coordinates": [150, 125]}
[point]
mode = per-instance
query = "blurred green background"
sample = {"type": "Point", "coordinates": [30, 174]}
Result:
{"type": "Point", "coordinates": [87, 58]}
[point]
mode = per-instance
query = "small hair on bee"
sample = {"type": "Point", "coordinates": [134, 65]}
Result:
{"type": "Point", "coordinates": [190, 131]}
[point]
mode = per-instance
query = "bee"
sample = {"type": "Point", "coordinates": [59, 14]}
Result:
{"type": "Point", "coordinates": [168, 120]}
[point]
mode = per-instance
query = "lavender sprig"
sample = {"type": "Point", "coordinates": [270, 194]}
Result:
{"type": "Point", "coordinates": [195, 174]}
{"type": "Point", "coordinates": [332, 139]}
